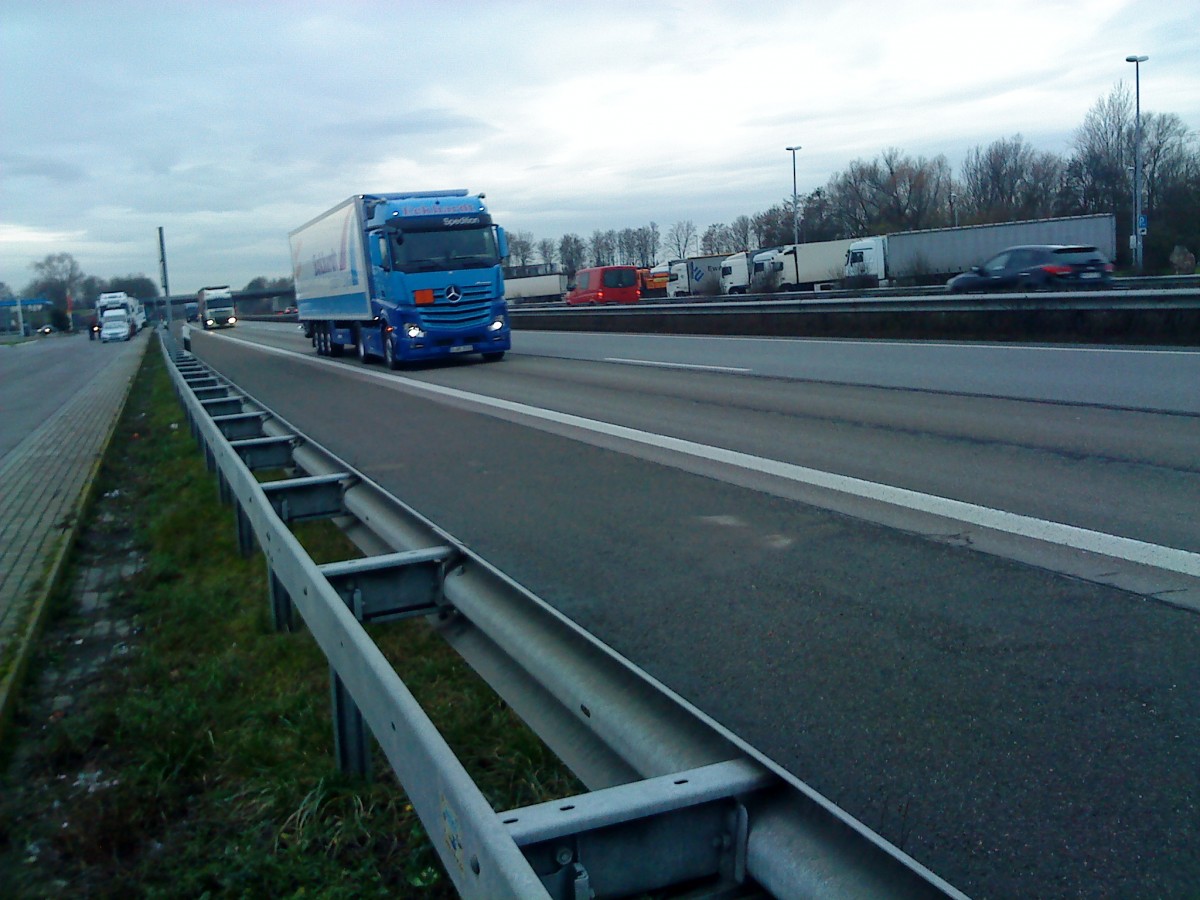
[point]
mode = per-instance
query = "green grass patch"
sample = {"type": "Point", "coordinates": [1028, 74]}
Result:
{"type": "Point", "coordinates": [201, 763]}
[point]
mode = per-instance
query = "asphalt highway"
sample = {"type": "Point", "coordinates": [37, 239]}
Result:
{"type": "Point", "coordinates": [1016, 717]}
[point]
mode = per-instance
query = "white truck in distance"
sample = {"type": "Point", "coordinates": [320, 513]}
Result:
{"type": "Point", "coordinates": [695, 277]}
{"type": "Point", "coordinates": [216, 307]}
{"type": "Point", "coordinates": [934, 255]}
{"type": "Point", "coordinates": [801, 267]}
{"type": "Point", "coordinates": [119, 300]}
{"type": "Point", "coordinates": [538, 283]}
{"type": "Point", "coordinates": [115, 325]}
{"type": "Point", "coordinates": [735, 272]}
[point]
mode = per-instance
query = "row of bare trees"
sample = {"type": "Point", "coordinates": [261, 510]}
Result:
{"type": "Point", "coordinates": [628, 246]}
{"type": "Point", "coordinates": [1005, 181]}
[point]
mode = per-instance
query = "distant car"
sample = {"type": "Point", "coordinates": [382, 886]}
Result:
{"type": "Point", "coordinates": [46, 329]}
{"type": "Point", "coordinates": [1037, 268]}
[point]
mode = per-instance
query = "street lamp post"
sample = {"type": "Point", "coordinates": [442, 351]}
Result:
{"type": "Point", "coordinates": [795, 198]}
{"type": "Point", "coordinates": [1137, 160]}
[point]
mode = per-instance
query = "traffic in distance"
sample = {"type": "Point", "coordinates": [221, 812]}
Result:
{"type": "Point", "coordinates": [118, 317]}
{"type": "Point", "coordinates": [912, 258]}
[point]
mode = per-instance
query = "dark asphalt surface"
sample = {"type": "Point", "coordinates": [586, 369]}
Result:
{"type": "Point", "coordinates": [39, 376]}
{"type": "Point", "coordinates": [1023, 734]}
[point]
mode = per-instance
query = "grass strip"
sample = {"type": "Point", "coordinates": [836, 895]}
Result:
{"type": "Point", "coordinates": [198, 761]}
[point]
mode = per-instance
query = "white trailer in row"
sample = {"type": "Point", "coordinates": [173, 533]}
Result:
{"type": "Point", "coordinates": [934, 255]}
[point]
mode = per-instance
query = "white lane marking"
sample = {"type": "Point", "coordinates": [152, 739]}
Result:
{"type": "Point", "coordinates": [1167, 558]}
{"type": "Point", "coordinates": [669, 365]}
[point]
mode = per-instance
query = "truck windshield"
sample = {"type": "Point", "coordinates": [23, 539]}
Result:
{"type": "Point", "coordinates": [429, 251]}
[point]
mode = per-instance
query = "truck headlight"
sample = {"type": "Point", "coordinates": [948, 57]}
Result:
{"type": "Point", "coordinates": [497, 325]}
{"type": "Point", "coordinates": [414, 331]}
{"type": "Point", "coordinates": [232, 319]}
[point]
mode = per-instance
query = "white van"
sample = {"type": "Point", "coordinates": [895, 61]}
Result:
{"type": "Point", "coordinates": [115, 325]}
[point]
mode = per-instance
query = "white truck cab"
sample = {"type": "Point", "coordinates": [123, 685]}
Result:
{"type": "Point", "coordinates": [866, 262]}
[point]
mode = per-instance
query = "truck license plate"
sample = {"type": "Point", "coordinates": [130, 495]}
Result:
{"type": "Point", "coordinates": [466, 349]}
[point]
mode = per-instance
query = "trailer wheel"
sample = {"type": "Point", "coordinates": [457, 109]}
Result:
{"type": "Point", "coordinates": [322, 339]}
{"type": "Point", "coordinates": [361, 342]}
{"type": "Point", "coordinates": [389, 350]}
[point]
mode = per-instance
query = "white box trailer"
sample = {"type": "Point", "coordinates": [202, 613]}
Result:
{"type": "Point", "coordinates": [934, 255]}
{"type": "Point", "coordinates": [696, 276]}
{"type": "Point", "coordinates": [542, 287]}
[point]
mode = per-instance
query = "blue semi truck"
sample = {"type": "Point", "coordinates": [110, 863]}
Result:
{"type": "Point", "coordinates": [403, 277]}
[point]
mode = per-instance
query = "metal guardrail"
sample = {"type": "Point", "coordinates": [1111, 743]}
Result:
{"type": "Point", "coordinates": [674, 797]}
{"type": "Point", "coordinates": [907, 299]}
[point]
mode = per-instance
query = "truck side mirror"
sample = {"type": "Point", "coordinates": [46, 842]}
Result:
{"type": "Point", "coordinates": [502, 242]}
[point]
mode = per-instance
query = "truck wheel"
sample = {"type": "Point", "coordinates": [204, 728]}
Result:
{"type": "Point", "coordinates": [389, 351]}
{"type": "Point", "coordinates": [493, 357]}
{"type": "Point", "coordinates": [360, 341]}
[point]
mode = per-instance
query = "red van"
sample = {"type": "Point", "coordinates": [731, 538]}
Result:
{"type": "Point", "coordinates": [606, 284]}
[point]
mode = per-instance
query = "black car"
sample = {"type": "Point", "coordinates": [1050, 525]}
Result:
{"type": "Point", "coordinates": [1037, 268]}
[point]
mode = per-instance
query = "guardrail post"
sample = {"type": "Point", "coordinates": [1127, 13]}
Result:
{"type": "Point", "coordinates": [350, 744]}
{"type": "Point", "coordinates": [245, 532]}
{"type": "Point", "coordinates": [281, 603]}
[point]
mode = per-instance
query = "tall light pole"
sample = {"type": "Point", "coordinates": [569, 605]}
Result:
{"type": "Point", "coordinates": [795, 198]}
{"type": "Point", "coordinates": [1137, 160]}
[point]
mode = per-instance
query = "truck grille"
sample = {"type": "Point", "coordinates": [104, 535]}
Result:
{"type": "Point", "coordinates": [475, 308]}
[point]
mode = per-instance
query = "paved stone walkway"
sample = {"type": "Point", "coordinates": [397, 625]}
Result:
{"type": "Point", "coordinates": [43, 481]}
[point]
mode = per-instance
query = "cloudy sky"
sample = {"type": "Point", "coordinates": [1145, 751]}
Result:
{"type": "Point", "coordinates": [230, 123]}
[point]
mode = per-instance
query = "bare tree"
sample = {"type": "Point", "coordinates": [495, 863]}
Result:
{"type": "Point", "coordinates": [602, 247]}
{"type": "Point", "coordinates": [718, 238]}
{"type": "Point", "coordinates": [1168, 148]}
{"type": "Point", "coordinates": [545, 249]}
{"type": "Point", "coordinates": [1098, 180]}
{"type": "Point", "coordinates": [993, 178]}
{"type": "Point", "coordinates": [739, 233]}
{"type": "Point", "coordinates": [681, 239]}
{"type": "Point", "coordinates": [572, 253]}
{"type": "Point", "coordinates": [894, 192]}
{"type": "Point", "coordinates": [520, 248]}
{"type": "Point", "coordinates": [57, 277]}
{"type": "Point", "coordinates": [647, 245]}
{"type": "Point", "coordinates": [773, 227]}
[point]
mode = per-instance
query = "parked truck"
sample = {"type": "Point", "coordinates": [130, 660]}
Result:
{"type": "Point", "coordinates": [735, 272]}
{"type": "Point", "coordinates": [934, 255]}
{"type": "Point", "coordinates": [534, 284]}
{"type": "Point", "coordinates": [696, 276]}
{"type": "Point", "coordinates": [215, 307]}
{"type": "Point", "coordinates": [801, 267]}
{"type": "Point", "coordinates": [403, 277]}
{"type": "Point", "coordinates": [654, 280]}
